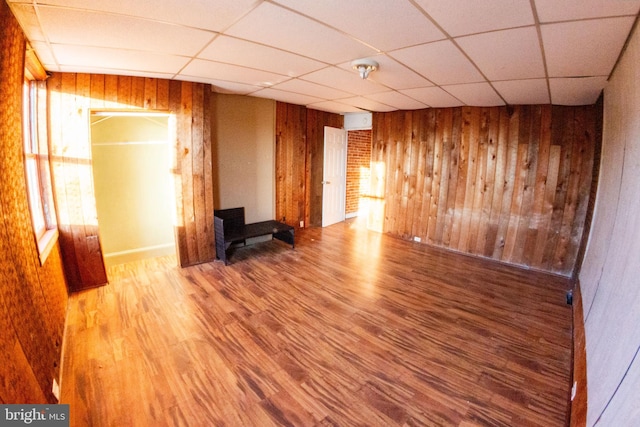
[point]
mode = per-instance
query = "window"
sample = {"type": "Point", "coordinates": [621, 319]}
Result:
{"type": "Point", "coordinates": [36, 163]}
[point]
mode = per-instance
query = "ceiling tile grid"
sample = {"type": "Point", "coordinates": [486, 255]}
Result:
{"type": "Point", "coordinates": [431, 53]}
{"type": "Point", "coordinates": [384, 25]}
{"type": "Point", "coordinates": [253, 55]}
{"type": "Point", "coordinates": [434, 97]}
{"type": "Point", "coordinates": [281, 28]}
{"type": "Point", "coordinates": [441, 62]}
{"type": "Point", "coordinates": [463, 17]}
{"type": "Point", "coordinates": [532, 91]}
{"type": "Point", "coordinates": [584, 48]}
{"type": "Point", "coordinates": [518, 57]}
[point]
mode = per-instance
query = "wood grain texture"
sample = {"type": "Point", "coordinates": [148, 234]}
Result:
{"type": "Point", "coordinates": [290, 163]}
{"type": "Point", "coordinates": [72, 97]}
{"type": "Point", "coordinates": [509, 183]}
{"type": "Point", "coordinates": [353, 327]}
{"type": "Point", "coordinates": [33, 296]}
{"type": "Point", "coordinates": [299, 162]}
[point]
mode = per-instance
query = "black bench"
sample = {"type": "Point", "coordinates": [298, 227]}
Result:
{"type": "Point", "coordinates": [230, 228]}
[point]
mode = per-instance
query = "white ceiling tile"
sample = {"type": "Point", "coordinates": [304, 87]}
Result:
{"type": "Point", "coordinates": [459, 17]}
{"type": "Point", "coordinates": [232, 73]}
{"type": "Point", "coordinates": [283, 96]}
{"type": "Point", "coordinates": [475, 94]}
{"type": "Point", "coordinates": [70, 57]}
{"type": "Point", "coordinates": [441, 62]}
{"type": "Point", "coordinates": [117, 71]}
{"type": "Point", "coordinates": [392, 74]}
{"type": "Point", "coordinates": [334, 107]}
{"type": "Point", "coordinates": [73, 27]}
{"type": "Point", "coordinates": [46, 57]}
{"type": "Point", "coordinates": [367, 104]}
{"type": "Point", "coordinates": [382, 24]}
{"type": "Point", "coordinates": [221, 86]}
{"type": "Point", "coordinates": [269, 42]}
{"type": "Point", "coordinates": [313, 89]}
{"type": "Point", "coordinates": [253, 55]}
{"type": "Point", "coordinates": [506, 55]}
{"type": "Point", "coordinates": [205, 14]}
{"type": "Point", "coordinates": [533, 91]}
{"type": "Point", "coordinates": [433, 97]}
{"type": "Point", "coordinates": [28, 20]}
{"type": "Point", "coordinates": [347, 81]}
{"type": "Point", "coordinates": [566, 10]}
{"type": "Point", "coordinates": [397, 100]}
{"type": "Point", "coordinates": [576, 91]}
{"type": "Point", "coordinates": [584, 48]}
{"type": "Point", "coordinates": [272, 25]}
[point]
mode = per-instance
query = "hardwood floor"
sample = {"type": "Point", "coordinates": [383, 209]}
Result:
{"type": "Point", "coordinates": [349, 328]}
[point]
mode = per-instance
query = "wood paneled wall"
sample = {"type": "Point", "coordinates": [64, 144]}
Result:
{"type": "Point", "coordinates": [72, 97]}
{"type": "Point", "coordinates": [290, 163]}
{"type": "Point", "coordinates": [507, 183]}
{"type": "Point", "coordinates": [33, 297]}
{"type": "Point", "coordinates": [299, 162]}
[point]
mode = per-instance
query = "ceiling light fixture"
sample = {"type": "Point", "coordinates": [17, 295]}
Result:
{"type": "Point", "coordinates": [364, 67]}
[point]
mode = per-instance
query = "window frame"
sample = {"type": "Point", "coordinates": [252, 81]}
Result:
{"type": "Point", "coordinates": [37, 167]}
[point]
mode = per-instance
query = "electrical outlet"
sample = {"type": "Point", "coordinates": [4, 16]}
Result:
{"type": "Point", "coordinates": [417, 239]}
{"type": "Point", "coordinates": [56, 389]}
{"type": "Point", "coordinates": [301, 224]}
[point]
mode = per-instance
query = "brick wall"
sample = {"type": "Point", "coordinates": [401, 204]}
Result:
{"type": "Point", "coordinates": [358, 167]}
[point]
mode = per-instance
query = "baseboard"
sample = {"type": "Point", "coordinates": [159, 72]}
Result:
{"type": "Point", "coordinates": [578, 414]}
{"type": "Point", "coordinates": [113, 258]}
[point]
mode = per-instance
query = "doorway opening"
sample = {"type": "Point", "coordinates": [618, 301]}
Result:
{"type": "Point", "coordinates": [131, 155]}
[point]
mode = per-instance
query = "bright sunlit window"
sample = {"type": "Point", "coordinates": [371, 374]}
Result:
{"type": "Point", "coordinates": [36, 163]}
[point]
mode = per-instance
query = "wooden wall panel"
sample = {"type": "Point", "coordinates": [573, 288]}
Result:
{"type": "Point", "coordinates": [290, 164]}
{"type": "Point", "coordinates": [314, 164]}
{"type": "Point", "coordinates": [299, 162]}
{"type": "Point", "coordinates": [509, 183]}
{"type": "Point", "coordinates": [72, 97]}
{"type": "Point", "coordinates": [33, 297]}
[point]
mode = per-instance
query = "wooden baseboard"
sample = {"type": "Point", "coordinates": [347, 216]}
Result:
{"type": "Point", "coordinates": [579, 402]}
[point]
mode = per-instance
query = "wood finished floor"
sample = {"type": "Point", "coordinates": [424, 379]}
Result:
{"type": "Point", "coordinates": [349, 328]}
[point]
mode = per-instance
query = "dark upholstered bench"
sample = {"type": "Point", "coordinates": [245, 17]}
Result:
{"type": "Point", "coordinates": [230, 228]}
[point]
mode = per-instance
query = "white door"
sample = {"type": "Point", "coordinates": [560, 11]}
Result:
{"type": "Point", "coordinates": [334, 177]}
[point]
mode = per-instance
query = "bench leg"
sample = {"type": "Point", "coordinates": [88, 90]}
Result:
{"type": "Point", "coordinates": [286, 236]}
{"type": "Point", "coordinates": [221, 251]}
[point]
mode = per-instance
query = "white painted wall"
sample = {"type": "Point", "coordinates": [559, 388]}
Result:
{"type": "Point", "coordinates": [132, 181]}
{"type": "Point", "coordinates": [610, 275]}
{"type": "Point", "coordinates": [243, 146]}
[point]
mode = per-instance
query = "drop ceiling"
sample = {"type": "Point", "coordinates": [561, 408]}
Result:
{"type": "Point", "coordinates": [432, 53]}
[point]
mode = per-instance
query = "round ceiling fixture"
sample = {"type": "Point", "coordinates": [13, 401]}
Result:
{"type": "Point", "coordinates": [364, 67]}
